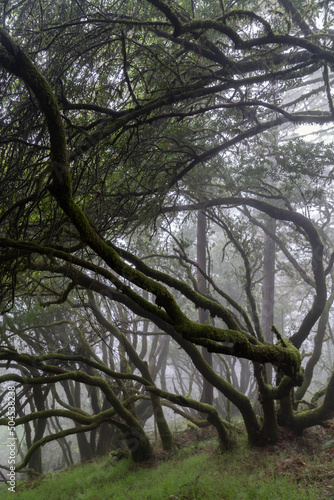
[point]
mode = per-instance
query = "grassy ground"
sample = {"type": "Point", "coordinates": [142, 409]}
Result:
{"type": "Point", "coordinates": [296, 469]}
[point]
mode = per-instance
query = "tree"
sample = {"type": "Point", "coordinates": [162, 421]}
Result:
{"type": "Point", "coordinates": [109, 114]}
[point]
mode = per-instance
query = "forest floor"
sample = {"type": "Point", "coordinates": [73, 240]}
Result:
{"type": "Point", "coordinates": [296, 468]}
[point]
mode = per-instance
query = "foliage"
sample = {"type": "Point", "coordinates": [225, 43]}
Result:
{"type": "Point", "coordinates": [117, 118]}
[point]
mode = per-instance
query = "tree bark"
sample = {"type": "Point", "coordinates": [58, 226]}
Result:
{"type": "Point", "coordinates": [268, 288]}
{"type": "Point", "coordinates": [203, 316]}
{"type": "Point", "coordinates": [35, 462]}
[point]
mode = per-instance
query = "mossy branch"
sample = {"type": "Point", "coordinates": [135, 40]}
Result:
{"type": "Point", "coordinates": [54, 437]}
{"type": "Point", "coordinates": [226, 442]}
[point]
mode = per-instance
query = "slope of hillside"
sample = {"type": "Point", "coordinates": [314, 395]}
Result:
{"type": "Point", "coordinates": [296, 469]}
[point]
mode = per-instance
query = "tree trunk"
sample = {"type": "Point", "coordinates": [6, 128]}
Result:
{"type": "Point", "coordinates": [164, 431]}
{"type": "Point", "coordinates": [268, 288]}
{"type": "Point", "coordinates": [203, 316]}
{"type": "Point", "coordinates": [317, 350]}
{"type": "Point", "coordinates": [35, 462]}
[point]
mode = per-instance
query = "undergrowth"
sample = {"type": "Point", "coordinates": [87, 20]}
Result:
{"type": "Point", "coordinates": [294, 470]}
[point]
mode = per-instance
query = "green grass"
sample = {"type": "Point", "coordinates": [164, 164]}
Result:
{"type": "Point", "coordinates": [195, 471]}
